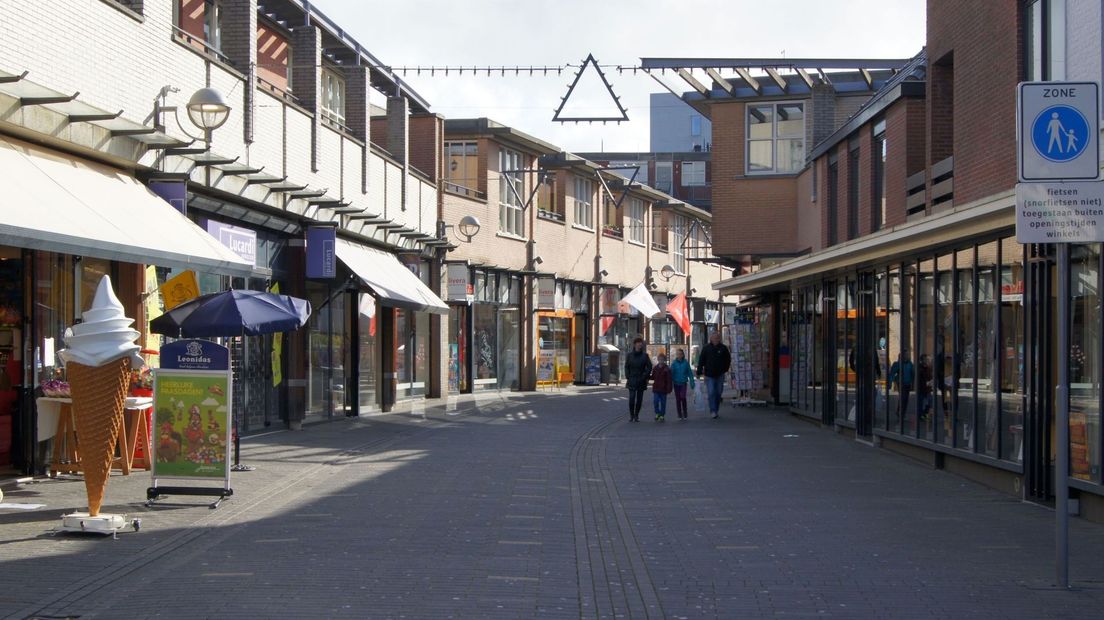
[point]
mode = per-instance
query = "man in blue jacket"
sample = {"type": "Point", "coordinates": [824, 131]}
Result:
{"type": "Point", "coordinates": [713, 362]}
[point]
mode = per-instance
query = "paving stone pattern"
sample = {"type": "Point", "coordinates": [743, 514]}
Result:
{"type": "Point", "coordinates": [554, 505]}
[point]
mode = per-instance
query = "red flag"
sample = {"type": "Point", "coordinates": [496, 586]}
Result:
{"type": "Point", "coordinates": [607, 321]}
{"type": "Point", "coordinates": [677, 309]}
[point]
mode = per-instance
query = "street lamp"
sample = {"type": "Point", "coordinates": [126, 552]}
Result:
{"type": "Point", "coordinates": [468, 227]}
{"type": "Point", "coordinates": [667, 272]}
{"type": "Point", "coordinates": [207, 109]}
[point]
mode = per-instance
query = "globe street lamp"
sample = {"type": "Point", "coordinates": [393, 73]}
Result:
{"type": "Point", "coordinates": [468, 227]}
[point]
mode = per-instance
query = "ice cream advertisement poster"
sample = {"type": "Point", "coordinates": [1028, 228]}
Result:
{"type": "Point", "coordinates": [191, 423]}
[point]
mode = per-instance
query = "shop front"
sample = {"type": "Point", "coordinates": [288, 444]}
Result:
{"type": "Point", "coordinates": [619, 323]}
{"type": "Point", "coordinates": [378, 347]}
{"type": "Point", "coordinates": [65, 223]}
{"type": "Point", "coordinates": [495, 331]}
{"type": "Point", "coordinates": [459, 293]}
{"type": "Point", "coordinates": [562, 329]}
{"type": "Point", "coordinates": [955, 351]}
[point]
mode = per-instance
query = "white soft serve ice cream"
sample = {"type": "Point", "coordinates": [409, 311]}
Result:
{"type": "Point", "coordinates": [105, 333]}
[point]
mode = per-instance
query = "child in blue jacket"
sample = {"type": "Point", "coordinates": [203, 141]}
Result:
{"type": "Point", "coordinates": [683, 375]}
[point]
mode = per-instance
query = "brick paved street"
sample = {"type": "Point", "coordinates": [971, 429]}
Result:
{"type": "Point", "coordinates": [553, 505]}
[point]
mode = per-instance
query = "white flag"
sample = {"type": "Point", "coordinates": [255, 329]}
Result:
{"type": "Point", "coordinates": [641, 299]}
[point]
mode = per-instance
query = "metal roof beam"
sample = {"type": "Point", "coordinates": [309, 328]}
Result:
{"type": "Point", "coordinates": [867, 77]}
{"type": "Point", "coordinates": [751, 81]}
{"type": "Point", "coordinates": [773, 73]}
{"type": "Point", "coordinates": [720, 81]}
{"type": "Point", "coordinates": [693, 82]}
{"type": "Point", "coordinates": [805, 76]}
{"type": "Point", "coordinates": [759, 63]}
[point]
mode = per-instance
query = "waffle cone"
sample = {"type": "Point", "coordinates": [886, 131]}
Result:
{"type": "Point", "coordinates": [99, 393]}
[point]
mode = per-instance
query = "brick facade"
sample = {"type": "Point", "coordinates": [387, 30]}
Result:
{"type": "Point", "coordinates": [979, 46]}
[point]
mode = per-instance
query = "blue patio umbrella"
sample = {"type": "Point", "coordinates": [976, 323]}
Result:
{"type": "Point", "coordinates": [233, 313]}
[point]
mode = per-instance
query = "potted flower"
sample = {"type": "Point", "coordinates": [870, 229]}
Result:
{"type": "Point", "coordinates": [141, 382]}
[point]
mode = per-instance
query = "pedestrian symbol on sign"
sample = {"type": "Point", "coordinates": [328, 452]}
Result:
{"type": "Point", "coordinates": [1060, 133]}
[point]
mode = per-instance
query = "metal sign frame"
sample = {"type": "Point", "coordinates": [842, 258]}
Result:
{"type": "Point", "coordinates": [590, 62]}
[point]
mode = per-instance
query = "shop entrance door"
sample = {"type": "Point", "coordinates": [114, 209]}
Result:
{"type": "Point", "coordinates": [828, 362]}
{"type": "Point", "coordinates": [581, 346]}
{"type": "Point", "coordinates": [1041, 372]}
{"type": "Point", "coordinates": [863, 357]}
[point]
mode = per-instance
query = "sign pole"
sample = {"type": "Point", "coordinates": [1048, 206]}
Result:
{"type": "Point", "coordinates": [1060, 200]}
{"type": "Point", "coordinates": [1062, 436]}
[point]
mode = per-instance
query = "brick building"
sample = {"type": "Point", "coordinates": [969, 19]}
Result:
{"type": "Point", "coordinates": [914, 320]}
{"type": "Point", "coordinates": [298, 156]}
{"type": "Point", "coordinates": [554, 254]}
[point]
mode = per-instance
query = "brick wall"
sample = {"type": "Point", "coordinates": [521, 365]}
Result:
{"type": "Point", "coordinates": [379, 132]}
{"type": "Point", "coordinates": [984, 40]}
{"type": "Point", "coordinates": [427, 144]}
{"type": "Point", "coordinates": [272, 55]}
{"type": "Point", "coordinates": [750, 215]}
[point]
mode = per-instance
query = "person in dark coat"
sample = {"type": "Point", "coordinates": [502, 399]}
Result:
{"type": "Point", "coordinates": [638, 367]}
{"type": "Point", "coordinates": [713, 362]}
{"type": "Point", "coordinates": [662, 384]}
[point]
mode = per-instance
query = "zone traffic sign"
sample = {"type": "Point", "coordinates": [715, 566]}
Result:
{"type": "Point", "coordinates": [1058, 130]}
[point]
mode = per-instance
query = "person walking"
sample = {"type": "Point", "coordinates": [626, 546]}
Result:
{"type": "Point", "coordinates": [900, 378]}
{"type": "Point", "coordinates": [713, 362]}
{"type": "Point", "coordinates": [638, 367]}
{"type": "Point", "coordinates": [683, 376]}
{"type": "Point", "coordinates": [662, 384]}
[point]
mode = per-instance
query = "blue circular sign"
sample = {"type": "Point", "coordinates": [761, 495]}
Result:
{"type": "Point", "coordinates": [1060, 133]}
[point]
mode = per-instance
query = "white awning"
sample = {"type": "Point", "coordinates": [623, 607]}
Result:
{"type": "Point", "coordinates": [394, 285]}
{"type": "Point", "coordinates": [55, 202]}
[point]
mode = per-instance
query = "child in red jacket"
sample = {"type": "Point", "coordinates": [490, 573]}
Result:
{"type": "Point", "coordinates": [662, 384]}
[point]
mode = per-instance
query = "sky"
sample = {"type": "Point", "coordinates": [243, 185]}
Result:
{"type": "Point", "coordinates": [618, 32]}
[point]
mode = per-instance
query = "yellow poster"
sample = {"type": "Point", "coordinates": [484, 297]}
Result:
{"type": "Point", "coordinates": [277, 348]}
{"type": "Point", "coordinates": [179, 289]}
{"type": "Point", "coordinates": [153, 308]}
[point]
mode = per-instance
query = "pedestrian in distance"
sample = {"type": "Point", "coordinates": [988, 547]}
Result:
{"type": "Point", "coordinates": [662, 384]}
{"type": "Point", "coordinates": [713, 362]}
{"type": "Point", "coordinates": [683, 376]}
{"type": "Point", "coordinates": [638, 367]}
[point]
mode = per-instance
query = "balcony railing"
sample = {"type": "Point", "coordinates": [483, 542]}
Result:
{"type": "Point", "coordinates": [919, 199]}
{"type": "Point", "coordinates": [613, 232]}
{"type": "Point", "coordinates": [942, 188]}
{"type": "Point", "coordinates": [464, 191]}
{"type": "Point", "coordinates": [545, 214]}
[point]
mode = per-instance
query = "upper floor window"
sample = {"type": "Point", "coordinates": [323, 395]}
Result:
{"type": "Point", "coordinates": [775, 137]}
{"type": "Point", "coordinates": [664, 174]}
{"type": "Point", "coordinates": [200, 22]}
{"type": "Point", "coordinates": [695, 125]}
{"type": "Point", "coordinates": [659, 230]}
{"type": "Point", "coordinates": [693, 173]}
{"type": "Point", "coordinates": [612, 225]}
{"type": "Point", "coordinates": [511, 188]}
{"type": "Point", "coordinates": [584, 202]}
{"type": "Point", "coordinates": [636, 220]}
{"type": "Point", "coordinates": [462, 167]}
{"type": "Point", "coordinates": [333, 96]}
{"type": "Point", "coordinates": [680, 243]}
{"type": "Point", "coordinates": [879, 185]}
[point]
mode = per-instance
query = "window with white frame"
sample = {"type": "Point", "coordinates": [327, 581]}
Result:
{"type": "Point", "coordinates": [680, 244]}
{"type": "Point", "coordinates": [212, 23]}
{"type": "Point", "coordinates": [333, 96]}
{"type": "Point", "coordinates": [636, 220]}
{"type": "Point", "coordinates": [584, 202]}
{"type": "Point", "coordinates": [693, 173]}
{"type": "Point", "coordinates": [775, 137]}
{"type": "Point", "coordinates": [511, 187]}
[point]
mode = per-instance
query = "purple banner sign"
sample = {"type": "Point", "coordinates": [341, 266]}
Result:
{"type": "Point", "coordinates": [172, 192]}
{"type": "Point", "coordinates": [321, 252]}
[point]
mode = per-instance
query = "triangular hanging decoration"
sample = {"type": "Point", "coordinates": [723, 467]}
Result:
{"type": "Point", "coordinates": [590, 62]}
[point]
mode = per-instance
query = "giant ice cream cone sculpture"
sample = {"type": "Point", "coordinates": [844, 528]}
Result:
{"type": "Point", "coordinates": [99, 355]}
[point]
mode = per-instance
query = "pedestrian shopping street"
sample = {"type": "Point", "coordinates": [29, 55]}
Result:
{"type": "Point", "coordinates": [551, 504]}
